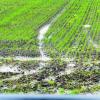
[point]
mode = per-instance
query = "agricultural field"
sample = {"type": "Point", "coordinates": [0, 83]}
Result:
{"type": "Point", "coordinates": [50, 46]}
{"type": "Point", "coordinates": [19, 21]}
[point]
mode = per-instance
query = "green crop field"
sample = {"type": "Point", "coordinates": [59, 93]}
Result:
{"type": "Point", "coordinates": [19, 21]}
{"type": "Point", "coordinates": [50, 46]}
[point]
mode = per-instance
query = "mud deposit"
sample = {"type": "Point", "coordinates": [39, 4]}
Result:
{"type": "Point", "coordinates": [54, 76]}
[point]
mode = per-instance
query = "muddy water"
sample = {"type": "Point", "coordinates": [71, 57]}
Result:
{"type": "Point", "coordinates": [42, 31]}
{"type": "Point", "coordinates": [41, 36]}
{"type": "Point", "coordinates": [9, 68]}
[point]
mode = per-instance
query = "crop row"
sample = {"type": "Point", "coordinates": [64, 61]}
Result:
{"type": "Point", "coordinates": [73, 34]}
{"type": "Point", "coordinates": [20, 21]}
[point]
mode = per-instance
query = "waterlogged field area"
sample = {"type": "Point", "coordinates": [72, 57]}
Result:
{"type": "Point", "coordinates": [50, 46]}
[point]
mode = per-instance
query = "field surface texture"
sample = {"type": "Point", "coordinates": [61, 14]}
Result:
{"type": "Point", "coordinates": [50, 46]}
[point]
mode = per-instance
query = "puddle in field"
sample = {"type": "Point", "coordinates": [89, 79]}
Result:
{"type": "Point", "coordinates": [9, 68]}
{"type": "Point", "coordinates": [22, 58]}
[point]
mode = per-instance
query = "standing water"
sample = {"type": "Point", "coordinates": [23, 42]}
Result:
{"type": "Point", "coordinates": [42, 31]}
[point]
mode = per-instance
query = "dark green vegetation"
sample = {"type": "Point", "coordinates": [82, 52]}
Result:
{"type": "Point", "coordinates": [74, 36]}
